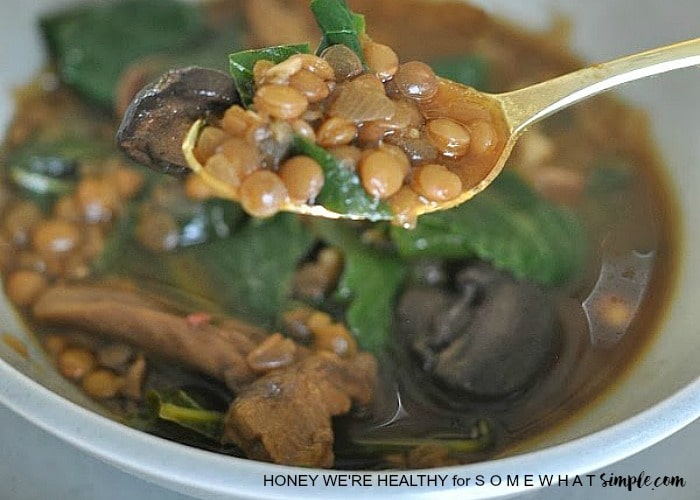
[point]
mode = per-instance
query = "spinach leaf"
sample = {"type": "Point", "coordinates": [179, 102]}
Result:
{"type": "Point", "coordinates": [242, 63]}
{"type": "Point", "coordinates": [370, 282]}
{"type": "Point", "coordinates": [342, 191]}
{"type": "Point", "coordinates": [93, 44]}
{"type": "Point", "coordinates": [249, 273]}
{"type": "Point", "coordinates": [339, 25]}
{"type": "Point", "coordinates": [508, 225]}
{"type": "Point", "coordinates": [178, 407]}
{"type": "Point", "coordinates": [471, 70]}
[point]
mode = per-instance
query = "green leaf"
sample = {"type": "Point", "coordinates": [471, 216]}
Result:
{"type": "Point", "coordinates": [93, 44]}
{"type": "Point", "coordinates": [247, 274]}
{"type": "Point", "coordinates": [241, 65]}
{"type": "Point", "coordinates": [342, 191]}
{"type": "Point", "coordinates": [370, 282]}
{"type": "Point", "coordinates": [251, 272]}
{"type": "Point", "coordinates": [178, 407]}
{"type": "Point", "coordinates": [471, 70]}
{"type": "Point", "coordinates": [508, 225]}
{"type": "Point", "coordinates": [339, 25]}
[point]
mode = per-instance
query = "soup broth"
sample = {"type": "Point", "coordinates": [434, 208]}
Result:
{"type": "Point", "coordinates": [452, 342]}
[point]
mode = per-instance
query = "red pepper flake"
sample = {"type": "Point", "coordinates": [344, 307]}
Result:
{"type": "Point", "coordinates": [195, 320]}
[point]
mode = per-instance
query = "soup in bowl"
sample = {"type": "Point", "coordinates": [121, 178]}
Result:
{"type": "Point", "coordinates": [525, 320]}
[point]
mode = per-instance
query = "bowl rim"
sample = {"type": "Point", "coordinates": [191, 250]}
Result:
{"type": "Point", "coordinates": [202, 473]}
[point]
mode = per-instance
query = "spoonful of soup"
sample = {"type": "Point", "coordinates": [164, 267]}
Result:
{"type": "Point", "coordinates": [349, 131]}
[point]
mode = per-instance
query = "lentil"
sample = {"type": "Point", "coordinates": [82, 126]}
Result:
{"type": "Point", "coordinates": [483, 137]}
{"type": "Point", "coordinates": [55, 236]}
{"type": "Point", "coordinates": [262, 193]}
{"type": "Point", "coordinates": [416, 80]}
{"type": "Point", "coordinates": [76, 362]}
{"type": "Point", "coordinates": [381, 173]}
{"type": "Point", "coordinates": [303, 178]}
{"type": "Point", "coordinates": [310, 85]}
{"type": "Point", "coordinates": [18, 221]}
{"type": "Point", "coordinates": [23, 287]}
{"type": "Point", "coordinates": [436, 182]}
{"type": "Point", "coordinates": [381, 59]}
{"type": "Point", "coordinates": [336, 132]}
{"type": "Point", "coordinates": [101, 384]}
{"type": "Point", "coordinates": [343, 61]}
{"type": "Point", "coordinates": [281, 102]}
{"type": "Point", "coordinates": [448, 136]}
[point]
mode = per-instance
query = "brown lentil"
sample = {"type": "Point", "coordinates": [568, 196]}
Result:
{"type": "Point", "coordinates": [236, 121]}
{"type": "Point", "coordinates": [24, 287]}
{"type": "Point", "coordinates": [416, 80]}
{"type": "Point", "coordinates": [448, 136]}
{"type": "Point", "coordinates": [310, 85]}
{"type": "Point", "coordinates": [55, 236]}
{"type": "Point", "coordinates": [403, 205]}
{"type": "Point", "coordinates": [381, 173]}
{"type": "Point", "coordinates": [18, 221]}
{"type": "Point", "coordinates": [76, 362]}
{"type": "Point", "coordinates": [381, 59]}
{"type": "Point", "coordinates": [483, 137]}
{"type": "Point", "coordinates": [316, 65]}
{"type": "Point", "coordinates": [210, 139]}
{"type": "Point", "coordinates": [303, 178]}
{"type": "Point", "coordinates": [304, 129]}
{"type": "Point", "coordinates": [262, 193]}
{"type": "Point", "coordinates": [335, 338]}
{"type": "Point", "coordinates": [348, 156]}
{"type": "Point", "coordinates": [157, 230]}
{"type": "Point", "coordinates": [97, 199]}
{"type": "Point", "coordinates": [343, 61]}
{"type": "Point", "coordinates": [260, 69]}
{"type": "Point", "coordinates": [244, 158]}
{"type": "Point", "coordinates": [281, 102]}
{"type": "Point", "coordinates": [436, 182]}
{"type": "Point", "coordinates": [336, 131]}
{"type": "Point", "coordinates": [101, 384]}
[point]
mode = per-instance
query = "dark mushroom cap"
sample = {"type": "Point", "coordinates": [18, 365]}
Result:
{"type": "Point", "coordinates": [155, 124]}
{"type": "Point", "coordinates": [490, 338]}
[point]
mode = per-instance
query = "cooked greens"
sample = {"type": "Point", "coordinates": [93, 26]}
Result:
{"type": "Point", "coordinates": [507, 225]}
{"type": "Point", "coordinates": [92, 45]}
{"type": "Point", "coordinates": [370, 282]}
{"type": "Point", "coordinates": [339, 25]}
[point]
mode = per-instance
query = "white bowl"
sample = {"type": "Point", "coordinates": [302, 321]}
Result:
{"type": "Point", "coordinates": [658, 396]}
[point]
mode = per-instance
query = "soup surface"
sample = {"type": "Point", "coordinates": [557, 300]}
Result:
{"type": "Point", "coordinates": [305, 341]}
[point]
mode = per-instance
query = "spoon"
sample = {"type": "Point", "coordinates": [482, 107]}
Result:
{"type": "Point", "coordinates": [517, 110]}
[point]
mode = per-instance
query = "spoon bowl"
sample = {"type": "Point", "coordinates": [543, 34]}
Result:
{"type": "Point", "coordinates": [513, 112]}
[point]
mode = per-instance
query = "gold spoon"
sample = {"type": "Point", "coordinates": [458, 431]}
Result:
{"type": "Point", "coordinates": [517, 109]}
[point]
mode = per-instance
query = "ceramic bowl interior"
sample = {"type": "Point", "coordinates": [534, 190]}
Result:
{"type": "Point", "coordinates": [657, 396]}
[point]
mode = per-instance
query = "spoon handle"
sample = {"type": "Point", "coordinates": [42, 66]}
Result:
{"type": "Point", "coordinates": [526, 106]}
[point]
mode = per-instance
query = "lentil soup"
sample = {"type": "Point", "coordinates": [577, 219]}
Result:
{"type": "Point", "coordinates": [303, 341]}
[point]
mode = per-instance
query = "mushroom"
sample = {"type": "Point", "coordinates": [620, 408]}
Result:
{"type": "Point", "coordinates": [154, 125]}
{"type": "Point", "coordinates": [489, 336]}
